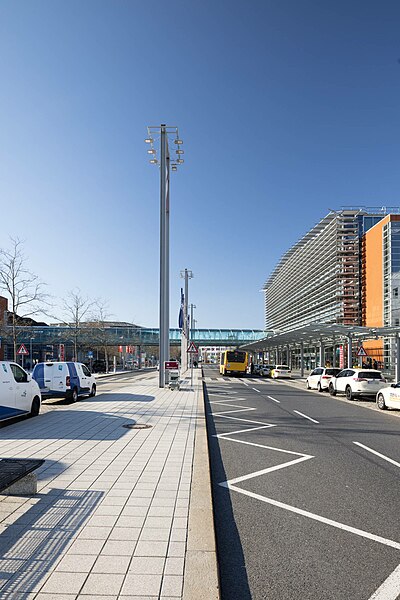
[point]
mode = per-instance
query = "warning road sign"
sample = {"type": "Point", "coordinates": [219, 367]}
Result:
{"type": "Point", "coordinates": [361, 351]}
{"type": "Point", "coordinates": [192, 349]}
{"type": "Point", "coordinates": [22, 350]}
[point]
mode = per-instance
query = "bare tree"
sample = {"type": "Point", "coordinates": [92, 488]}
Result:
{"type": "Point", "coordinates": [76, 309]}
{"type": "Point", "coordinates": [100, 329]}
{"type": "Point", "coordinates": [23, 288]}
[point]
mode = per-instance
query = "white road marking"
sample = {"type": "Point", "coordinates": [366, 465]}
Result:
{"type": "Point", "coordinates": [256, 390]}
{"type": "Point", "coordinates": [244, 383]}
{"type": "Point", "coordinates": [227, 412]}
{"type": "Point", "coordinates": [264, 471]}
{"type": "Point", "coordinates": [305, 416]}
{"type": "Point", "coordinates": [378, 454]}
{"type": "Point", "coordinates": [390, 588]}
{"type": "Point", "coordinates": [221, 435]}
{"type": "Point", "coordinates": [274, 399]}
{"type": "Point", "coordinates": [243, 420]}
{"type": "Point", "coordinates": [306, 513]}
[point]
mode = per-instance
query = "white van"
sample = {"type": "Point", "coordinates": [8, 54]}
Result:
{"type": "Point", "coordinates": [19, 393]}
{"type": "Point", "coordinates": [64, 380]}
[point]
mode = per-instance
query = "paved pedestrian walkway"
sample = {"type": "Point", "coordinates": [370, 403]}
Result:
{"type": "Point", "coordinates": [112, 515]}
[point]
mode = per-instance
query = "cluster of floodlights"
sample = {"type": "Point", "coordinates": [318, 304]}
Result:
{"type": "Point", "coordinates": [179, 152]}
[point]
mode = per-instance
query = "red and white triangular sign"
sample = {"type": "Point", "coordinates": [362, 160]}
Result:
{"type": "Point", "coordinates": [192, 349]}
{"type": "Point", "coordinates": [361, 352]}
{"type": "Point", "coordinates": [22, 350]}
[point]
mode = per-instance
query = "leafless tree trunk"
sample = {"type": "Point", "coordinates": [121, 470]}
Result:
{"type": "Point", "coordinates": [23, 288]}
{"type": "Point", "coordinates": [99, 319]}
{"type": "Point", "coordinates": [76, 308]}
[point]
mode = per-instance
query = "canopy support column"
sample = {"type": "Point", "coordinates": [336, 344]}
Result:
{"type": "Point", "coordinates": [302, 359]}
{"type": "Point", "coordinates": [349, 351]}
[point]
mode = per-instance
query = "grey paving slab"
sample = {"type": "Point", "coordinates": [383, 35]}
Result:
{"type": "Point", "coordinates": [110, 517]}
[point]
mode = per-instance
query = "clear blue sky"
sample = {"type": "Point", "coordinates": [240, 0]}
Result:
{"type": "Point", "coordinates": [287, 108]}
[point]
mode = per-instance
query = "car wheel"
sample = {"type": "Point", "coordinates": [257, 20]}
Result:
{"type": "Point", "coordinates": [307, 385]}
{"type": "Point", "coordinates": [380, 402]}
{"type": "Point", "coordinates": [74, 395]}
{"type": "Point", "coordinates": [35, 409]}
{"type": "Point", "coordinates": [319, 388]}
{"type": "Point", "coordinates": [332, 390]}
{"type": "Point", "coordinates": [93, 391]}
{"type": "Point", "coordinates": [349, 393]}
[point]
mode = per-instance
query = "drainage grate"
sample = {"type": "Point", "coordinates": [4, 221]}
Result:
{"type": "Point", "coordinates": [137, 426]}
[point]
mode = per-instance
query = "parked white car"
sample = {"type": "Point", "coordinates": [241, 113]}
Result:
{"type": "Point", "coordinates": [281, 371]}
{"type": "Point", "coordinates": [64, 380]}
{"type": "Point", "coordinates": [389, 397]}
{"type": "Point", "coordinates": [357, 382]}
{"type": "Point", "coordinates": [320, 377]}
{"type": "Point", "coordinates": [19, 393]}
{"type": "Point", "coordinates": [266, 370]}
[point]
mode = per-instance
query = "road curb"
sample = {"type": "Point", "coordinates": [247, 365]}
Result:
{"type": "Point", "coordinates": [201, 579]}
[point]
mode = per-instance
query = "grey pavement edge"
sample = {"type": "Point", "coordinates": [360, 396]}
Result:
{"type": "Point", "coordinates": [201, 579]}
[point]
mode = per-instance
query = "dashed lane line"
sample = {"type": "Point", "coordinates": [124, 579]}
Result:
{"type": "Point", "coordinates": [305, 416]}
{"type": "Point", "coordinates": [393, 462]}
{"type": "Point", "coordinates": [274, 399]}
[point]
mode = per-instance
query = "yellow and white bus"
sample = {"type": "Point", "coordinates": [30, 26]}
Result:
{"type": "Point", "coordinates": [234, 362]}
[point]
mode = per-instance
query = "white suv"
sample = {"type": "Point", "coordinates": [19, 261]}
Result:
{"type": "Point", "coordinates": [320, 378]}
{"type": "Point", "coordinates": [356, 382]}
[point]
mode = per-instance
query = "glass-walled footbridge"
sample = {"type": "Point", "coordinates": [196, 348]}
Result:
{"type": "Point", "coordinates": [125, 335]}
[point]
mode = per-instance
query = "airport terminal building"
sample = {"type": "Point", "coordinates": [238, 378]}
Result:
{"type": "Point", "coordinates": [344, 271]}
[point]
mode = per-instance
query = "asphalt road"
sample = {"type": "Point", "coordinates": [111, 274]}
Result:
{"type": "Point", "coordinates": [306, 493]}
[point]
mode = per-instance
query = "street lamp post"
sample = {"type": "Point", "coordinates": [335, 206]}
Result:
{"type": "Point", "coordinates": [162, 133]}
{"type": "Point", "coordinates": [186, 275]}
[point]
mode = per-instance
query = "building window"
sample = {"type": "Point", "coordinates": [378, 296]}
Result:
{"type": "Point", "coordinates": [396, 292]}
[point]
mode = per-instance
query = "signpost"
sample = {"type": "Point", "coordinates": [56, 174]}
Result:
{"type": "Point", "coordinates": [192, 349]}
{"type": "Point", "coordinates": [22, 351]}
{"type": "Point", "coordinates": [361, 353]}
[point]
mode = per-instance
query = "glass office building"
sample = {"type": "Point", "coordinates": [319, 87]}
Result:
{"type": "Point", "coordinates": [319, 279]}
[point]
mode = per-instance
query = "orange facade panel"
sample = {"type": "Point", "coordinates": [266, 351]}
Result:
{"type": "Point", "coordinates": [373, 275]}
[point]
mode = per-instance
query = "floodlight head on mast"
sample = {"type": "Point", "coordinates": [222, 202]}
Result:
{"type": "Point", "coordinates": [154, 134]}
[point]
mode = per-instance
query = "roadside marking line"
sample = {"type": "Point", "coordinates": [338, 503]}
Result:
{"type": "Point", "coordinates": [305, 416]}
{"type": "Point", "coordinates": [306, 513]}
{"type": "Point", "coordinates": [256, 390]}
{"type": "Point", "coordinates": [227, 412]}
{"type": "Point", "coordinates": [244, 421]}
{"type": "Point", "coordinates": [244, 383]}
{"type": "Point", "coordinates": [378, 454]}
{"type": "Point", "coordinates": [263, 471]}
{"type": "Point", "coordinates": [274, 399]}
{"type": "Point", "coordinates": [222, 435]}
{"type": "Point", "coordinates": [390, 588]}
